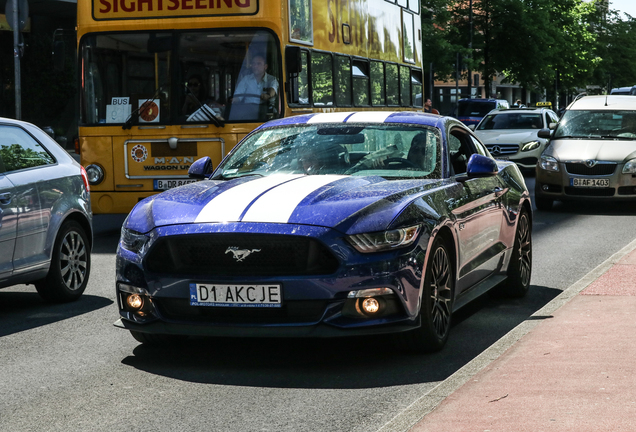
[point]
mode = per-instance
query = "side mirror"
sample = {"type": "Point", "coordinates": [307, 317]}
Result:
{"type": "Point", "coordinates": [553, 126]}
{"type": "Point", "coordinates": [293, 61]}
{"type": "Point", "coordinates": [481, 166]}
{"type": "Point", "coordinates": [201, 168]}
{"type": "Point", "coordinates": [545, 133]}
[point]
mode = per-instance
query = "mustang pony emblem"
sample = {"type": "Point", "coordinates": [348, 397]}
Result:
{"type": "Point", "coordinates": [240, 254]}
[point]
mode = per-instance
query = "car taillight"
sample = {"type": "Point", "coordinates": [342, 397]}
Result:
{"type": "Point", "coordinates": [85, 178]}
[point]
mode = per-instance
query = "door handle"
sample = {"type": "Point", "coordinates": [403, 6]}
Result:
{"type": "Point", "coordinates": [498, 191]}
{"type": "Point", "coordinates": [5, 198]}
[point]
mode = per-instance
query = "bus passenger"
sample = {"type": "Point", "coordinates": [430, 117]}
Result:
{"type": "Point", "coordinates": [257, 87]}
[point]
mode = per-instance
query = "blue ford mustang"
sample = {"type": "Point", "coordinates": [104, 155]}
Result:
{"type": "Point", "coordinates": [329, 225]}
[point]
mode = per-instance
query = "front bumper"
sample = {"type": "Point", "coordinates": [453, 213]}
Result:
{"type": "Point", "coordinates": [558, 185]}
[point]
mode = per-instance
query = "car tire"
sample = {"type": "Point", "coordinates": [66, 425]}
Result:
{"type": "Point", "coordinates": [436, 306]}
{"type": "Point", "coordinates": [543, 204]}
{"type": "Point", "coordinates": [156, 339]}
{"type": "Point", "coordinates": [520, 267]}
{"type": "Point", "coordinates": [70, 265]}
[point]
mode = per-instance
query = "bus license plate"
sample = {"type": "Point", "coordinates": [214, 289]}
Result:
{"type": "Point", "coordinates": [590, 182]}
{"type": "Point", "coordinates": [165, 184]}
{"type": "Point", "coordinates": [260, 296]}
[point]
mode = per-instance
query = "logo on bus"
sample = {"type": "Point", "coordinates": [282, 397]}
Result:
{"type": "Point", "coordinates": [170, 163]}
{"type": "Point", "coordinates": [139, 153]}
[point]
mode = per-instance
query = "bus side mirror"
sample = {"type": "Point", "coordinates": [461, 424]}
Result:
{"type": "Point", "coordinates": [293, 62]}
{"type": "Point", "coordinates": [201, 168]}
{"type": "Point", "coordinates": [294, 65]}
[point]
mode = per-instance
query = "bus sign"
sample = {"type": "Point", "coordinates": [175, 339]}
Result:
{"type": "Point", "coordinates": [128, 9]}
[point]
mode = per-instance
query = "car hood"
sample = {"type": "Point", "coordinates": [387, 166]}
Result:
{"type": "Point", "coordinates": [506, 136]}
{"type": "Point", "coordinates": [601, 150]}
{"type": "Point", "coordinates": [348, 204]}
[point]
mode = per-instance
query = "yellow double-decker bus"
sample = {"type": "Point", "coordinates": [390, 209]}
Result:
{"type": "Point", "coordinates": [164, 82]}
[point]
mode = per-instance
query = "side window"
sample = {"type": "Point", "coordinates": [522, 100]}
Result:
{"type": "Point", "coordinates": [479, 147]}
{"type": "Point", "coordinates": [300, 23]}
{"type": "Point", "coordinates": [416, 88]}
{"type": "Point", "coordinates": [392, 85]}
{"type": "Point", "coordinates": [361, 82]}
{"type": "Point", "coordinates": [321, 79]}
{"type": "Point", "coordinates": [377, 83]}
{"type": "Point", "coordinates": [460, 150]}
{"type": "Point", "coordinates": [303, 81]}
{"type": "Point", "coordinates": [343, 81]}
{"type": "Point", "coordinates": [405, 86]}
{"type": "Point", "coordinates": [19, 150]}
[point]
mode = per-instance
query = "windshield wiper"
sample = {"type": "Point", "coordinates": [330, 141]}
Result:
{"type": "Point", "coordinates": [206, 110]}
{"type": "Point", "coordinates": [134, 116]}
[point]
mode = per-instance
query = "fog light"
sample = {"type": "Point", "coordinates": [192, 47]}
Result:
{"type": "Point", "coordinates": [370, 305]}
{"type": "Point", "coordinates": [135, 302]}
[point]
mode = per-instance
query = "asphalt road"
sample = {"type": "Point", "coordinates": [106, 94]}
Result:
{"type": "Point", "coordinates": [66, 368]}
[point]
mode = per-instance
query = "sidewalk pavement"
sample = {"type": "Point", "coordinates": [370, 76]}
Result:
{"type": "Point", "coordinates": [570, 367]}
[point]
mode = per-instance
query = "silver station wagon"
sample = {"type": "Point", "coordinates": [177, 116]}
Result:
{"type": "Point", "coordinates": [592, 153]}
{"type": "Point", "coordinates": [45, 214]}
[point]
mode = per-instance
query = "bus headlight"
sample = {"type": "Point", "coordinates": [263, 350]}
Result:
{"type": "Point", "coordinates": [95, 174]}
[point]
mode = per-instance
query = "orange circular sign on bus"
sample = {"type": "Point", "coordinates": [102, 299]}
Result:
{"type": "Point", "coordinates": [149, 111]}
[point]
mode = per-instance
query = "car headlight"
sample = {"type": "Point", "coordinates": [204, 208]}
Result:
{"type": "Point", "coordinates": [132, 240]}
{"type": "Point", "coordinates": [530, 146]}
{"type": "Point", "coordinates": [95, 174]}
{"type": "Point", "coordinates": [549, 163]}
{"type": "Point", "coordinates": [630, 167]}
{"type": "Point", "coordinates": [384, 240]}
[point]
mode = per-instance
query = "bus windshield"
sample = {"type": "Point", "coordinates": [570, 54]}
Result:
{"type": "Point", "coordinates": [180, 77]}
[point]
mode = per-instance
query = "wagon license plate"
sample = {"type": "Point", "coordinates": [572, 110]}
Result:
{"type": "Point", "coordinates": [260, 296]}
{"type": "Point", "coordinates": [165, 184]}
{"type": "Point", "coordinates": [589, 182]}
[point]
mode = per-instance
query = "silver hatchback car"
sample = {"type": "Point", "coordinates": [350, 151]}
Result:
{"type": "Point", "coordinates": [46, 230]}
{"type": "Point", "coordinates": [592, 153]}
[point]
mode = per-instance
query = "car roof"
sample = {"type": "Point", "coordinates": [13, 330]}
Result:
{"type": "Point", "coordinates": [378, 117]}
{"type": "Point", "coordinates": [604, 102]}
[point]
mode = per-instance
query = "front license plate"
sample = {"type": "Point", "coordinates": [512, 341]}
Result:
{"type": "Point", "coordinates": [502, 158]}
{"type": "Point", "coordinates": [589, 183]}
{"type": "Point", "coordinates": [165, 184]}
{"type": "Point", "coordinates": [262, 296]}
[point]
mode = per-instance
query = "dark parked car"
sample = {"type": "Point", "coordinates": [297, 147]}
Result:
{"type": "Point", "coordinates": [45, 214]}
{"type": "Point", "coordinates": [329, 225]}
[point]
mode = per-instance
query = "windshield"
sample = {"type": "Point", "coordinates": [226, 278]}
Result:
{"type": "Point", "coordinates": [597, 124]}
{"type": "Point", "coordinates": [511, 121]}
{"type": "Point", "coordinates": [179, 77]}
{"type": "Point", "coordinates": [393, 151]}
{"type": "Point", "coordinates": [475, 109]}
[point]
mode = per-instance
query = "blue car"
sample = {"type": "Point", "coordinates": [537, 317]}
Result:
{"type": "Point", "coordinates": [328, 225]}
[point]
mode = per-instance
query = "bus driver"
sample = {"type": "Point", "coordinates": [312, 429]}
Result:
{"type": "Point", "coordinates": [257, 86]}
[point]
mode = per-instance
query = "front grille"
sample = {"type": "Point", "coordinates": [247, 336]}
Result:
{"type": "Point", "coordinates": [303, 311]}
{"type": "Point", "coordinates": [502, 149]}
{"type": "Point", "coordinates": [597, 170]}
{"type": "Point", "coordinates": [240, 255]}
{"type": "Point", "coordinates": [591, 192]}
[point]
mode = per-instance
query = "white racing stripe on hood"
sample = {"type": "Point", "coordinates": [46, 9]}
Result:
{"type": "Point", "coordinates": [329, 118]}
{"type": "Point", "coordinates": [277, 205]}
{"type": "Point", "coordinates": [229, 205]}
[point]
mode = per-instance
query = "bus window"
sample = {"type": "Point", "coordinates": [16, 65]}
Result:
{"type": "Point", "coordinates": [360, 72]}
{"type": "Point", "coordinates": [300, 22]}
{"type": "Point", "coordinates": [343, 81]}
{"type": "Point", "coordinates": [392, 85]}
{"type": "Point", "coordinates": [416, 87]}
{"type": "Point", "coordinates": [303, 80]}
{"type": "Point", "coordinates": [321, 79]}
{"type": "Point", "coordinates": [405, 86]}
{"type": "Point", "coordinates": [377, 83]}
{"type": "Point", "coordinates": [408, 37]}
